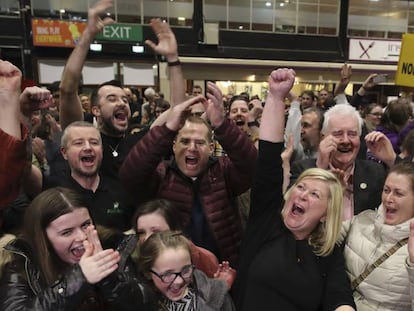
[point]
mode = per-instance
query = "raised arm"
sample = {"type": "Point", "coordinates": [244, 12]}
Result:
{"type": "Point", "coordinates": [346, 73]}
{"type": "Point", "coordinates": [10, 78]}
{"type": "Point", "coordinates": [13, 135]}
{"type": "Point", "coordinates": [70, 105]}
{"type": "Point", "coordinates": [273, 118]}
{"type": "Point", "coordinates": [167, 46]}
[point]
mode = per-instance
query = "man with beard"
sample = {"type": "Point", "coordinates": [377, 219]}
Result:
{"type": "Point", "coordinates": [108, 202]}
{"type": "Point", "coordinates": [202, 187]}
{"type": "Point", "coordinates": [362, 179]}
{"type": "Point", "coordinates": [109, 102]}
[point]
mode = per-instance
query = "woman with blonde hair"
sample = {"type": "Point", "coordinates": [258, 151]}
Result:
{"type": "Point", "coordinates": [289, 256]}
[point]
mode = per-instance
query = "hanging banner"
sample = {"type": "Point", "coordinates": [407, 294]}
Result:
{"type": "Point", "coordinates": [405, 69]}
{"type": "Point", "coordinates": [56, 33]}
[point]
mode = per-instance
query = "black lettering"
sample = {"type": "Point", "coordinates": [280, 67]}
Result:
{"type": "Point", "coordinates": [407, 68]}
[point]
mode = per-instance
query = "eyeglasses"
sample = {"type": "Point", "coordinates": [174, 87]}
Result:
{"type": "Point", "coordinates": [169, 277]}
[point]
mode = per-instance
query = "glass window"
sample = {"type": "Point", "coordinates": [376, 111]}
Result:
{"type": "Point", "coordinates": [216, 11]}
{"type": "Point", "coordinates": [9, 7]}
{"type": "Point", "coordinates": [383, 19]}
{"type": "Point", "coordinates": [239, 14]}
{"type": "Point", "coordinates": [154, 9]}
{"type": "Point", "coordinates": [285, 16]}
{"type": "Point", "coordinates": [262, 15]}
{"type": "Point", "coordinates": [308, 18]}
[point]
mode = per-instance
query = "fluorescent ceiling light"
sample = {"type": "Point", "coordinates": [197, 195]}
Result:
{"type": "Point", "coordinates": [137, 49]}
{"type": "Point", "coordinates": [97, 47]}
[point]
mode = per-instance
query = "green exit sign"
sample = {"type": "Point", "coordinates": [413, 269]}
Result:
{"type": "Point", "coordinates": [121, 32]}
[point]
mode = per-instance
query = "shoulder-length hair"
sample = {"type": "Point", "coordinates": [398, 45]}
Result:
{"type": "Point", "coordinates": [45, 208]}
{"type": "Point", "coordinates": [325, 235]}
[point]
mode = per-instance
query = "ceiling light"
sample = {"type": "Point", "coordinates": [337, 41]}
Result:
{"type": "Point", "coordinates": [180, 18]}
{"type": "Point", "coordinates": [95, 47]}
{"type": "Point", "coordinates": [268, 4]}
{"type": "Point", "coordinates": [137, 49]}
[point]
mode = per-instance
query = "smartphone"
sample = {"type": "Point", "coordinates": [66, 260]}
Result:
{"type": "Point", "coordinates": [380, 78]}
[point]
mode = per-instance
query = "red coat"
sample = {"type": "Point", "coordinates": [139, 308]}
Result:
{"type": "Point", "coordinates": [13, 159]}
{"type": "Point", "coordinates": [144, 172]}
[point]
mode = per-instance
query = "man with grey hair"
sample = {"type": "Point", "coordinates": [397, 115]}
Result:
{"type": "Point", "coordinates": [362, 179]}
{"type": "Point", "coordinates": [108, 202]}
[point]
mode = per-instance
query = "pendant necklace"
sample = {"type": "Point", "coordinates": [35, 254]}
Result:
{"type": "Point", "coordinates": [114, 150]}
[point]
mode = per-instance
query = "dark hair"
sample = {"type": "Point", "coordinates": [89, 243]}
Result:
{"type": "Point", "coordinates": [53, 87]}
{"type": "Point", "coordinates": [368, 108]}
{"type": "Point", "coordinates": [45, 208]}
{"type": "Point", "coordinates": [238, 97]}
{"type": "Point", "coordinates": [94, 94]}
{"type": "Point", "coordinates": [310, 93]}
{"type": "Point", "coordinates": [396, 114]}
{"type": "Point", "coordinates": [319, 114]}
{"type": "Point", "coordinates": [162, 103]}
{"type": "Point", "coordinates": [160, 206]}
{"type": "Point", "coordinates": [408, 144]}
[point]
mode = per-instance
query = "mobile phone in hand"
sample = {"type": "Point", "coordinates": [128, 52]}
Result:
{"type": "Point", "coordinates": [380, 78]}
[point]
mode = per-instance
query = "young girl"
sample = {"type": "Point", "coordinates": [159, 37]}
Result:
{"type": "Point", "coordinates": [165, 260]}
{"type": "Point", "coordinates": [58, 263]}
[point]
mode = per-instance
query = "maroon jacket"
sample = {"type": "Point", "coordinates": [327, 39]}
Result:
{"type": "Point", "coordinates": [144, 172]}
{"type": "Point", "coordinates": [13, 161]}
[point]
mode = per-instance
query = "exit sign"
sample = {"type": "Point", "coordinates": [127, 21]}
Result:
{"type": "Point", "coordinates": [121, 32]}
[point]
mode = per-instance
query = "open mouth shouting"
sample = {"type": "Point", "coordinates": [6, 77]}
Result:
{"type": "Point", "coordinates": [121, 117]}
{"type": "Point", "coordinates": [239, 121]}
{"type": "Point", "coordinates": [297, 210]}
{"type": "Point", "coordinates": [88, 160]}
{"type": "Point", "coordinates": [77, 252]}
{"type": "Point", "coordinates": [191, 162]}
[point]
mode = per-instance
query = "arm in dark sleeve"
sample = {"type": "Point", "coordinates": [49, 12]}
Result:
{"type": "Point", "coordinates": [338, 288]}
{"type": "Point", "coordinates": [141, 162]}
{"type": "Point", "coordinates": [17, 294]}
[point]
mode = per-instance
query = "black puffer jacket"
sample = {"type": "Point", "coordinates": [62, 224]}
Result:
{"type": "Point", "coordinates": [23, 288]}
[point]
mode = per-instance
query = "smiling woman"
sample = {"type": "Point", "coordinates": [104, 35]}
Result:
{"type": "Point", "coordinates": [289, 256]}
{"type": "Point", "coordinates": [371, 234]}
{"type": "Point", "coordinates": [58, 262]}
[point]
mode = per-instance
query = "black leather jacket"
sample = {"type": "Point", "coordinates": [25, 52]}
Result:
{"type": "Point", "coordinates": [23, 288]}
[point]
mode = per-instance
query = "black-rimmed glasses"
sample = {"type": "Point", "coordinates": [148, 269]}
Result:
{"type": "Point", "coordinates": [169, 277]}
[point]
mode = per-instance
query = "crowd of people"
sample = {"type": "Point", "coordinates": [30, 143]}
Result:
{"type": "Point", "coordinates": [202, 202]}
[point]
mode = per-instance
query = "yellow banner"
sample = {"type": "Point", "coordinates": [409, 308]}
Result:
{"type": "Point", "coordinates": [405, 70]}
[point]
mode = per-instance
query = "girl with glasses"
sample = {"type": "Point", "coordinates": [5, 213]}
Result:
{"type": "Point", "coordinates": [165, 261]}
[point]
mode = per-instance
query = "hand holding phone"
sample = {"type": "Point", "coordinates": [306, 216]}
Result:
{"type": "Point", "coordinates": [380, 78]}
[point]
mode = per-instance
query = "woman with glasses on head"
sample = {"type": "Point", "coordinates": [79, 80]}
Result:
{"type": "Point", "coordinates": [165, 261]}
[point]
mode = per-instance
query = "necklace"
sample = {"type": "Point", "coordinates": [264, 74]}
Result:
{"type": "Point", "coordinates": [114, 150]}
